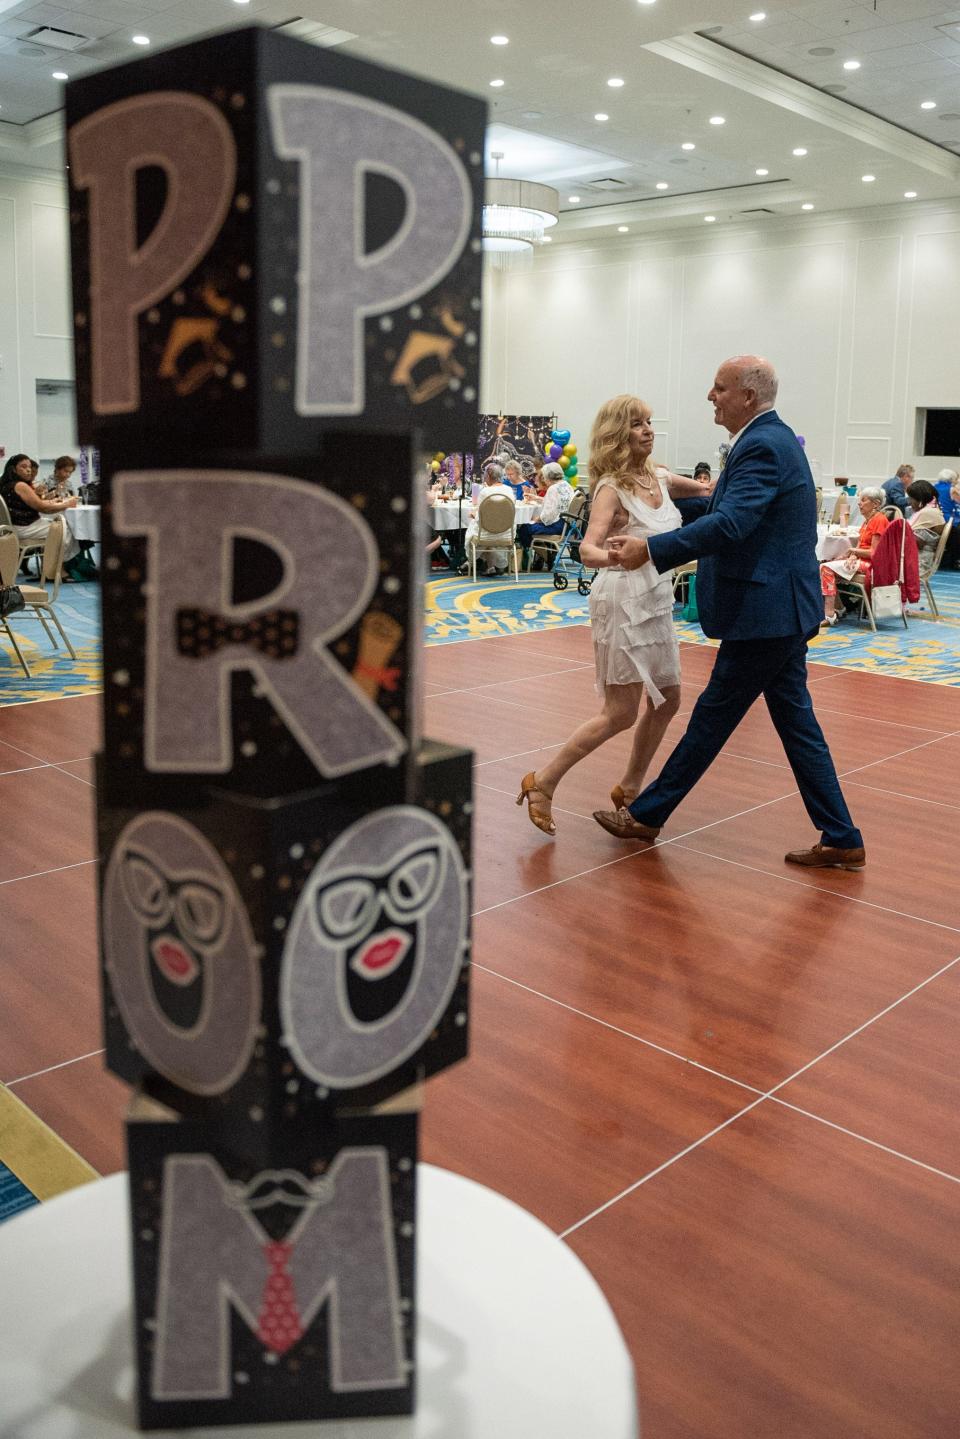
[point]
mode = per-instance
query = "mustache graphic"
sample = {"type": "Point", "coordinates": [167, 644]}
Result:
{"type": "Point", "coordinates": [280, 1186]}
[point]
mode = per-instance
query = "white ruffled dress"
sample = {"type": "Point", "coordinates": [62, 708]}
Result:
{"type": "Point", "coordinates": [631, 611]}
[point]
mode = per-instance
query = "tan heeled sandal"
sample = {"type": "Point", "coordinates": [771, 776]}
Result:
{"type": "Point", "coordinates": [618, 797]}
{"type": "Point", "coordinates": [539, 809]}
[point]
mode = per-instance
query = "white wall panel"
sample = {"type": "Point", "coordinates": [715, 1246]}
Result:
{"type": "Point", "coordinates": [868, 458]}
{"type": "Point", "coordinates": [874, 339]}
{"type": "Point", "coordinates": [9, 339]}
{"type": "Point", "coordinates": [51, 273]}
{"type": "Point", "coordinates": [934, 377]}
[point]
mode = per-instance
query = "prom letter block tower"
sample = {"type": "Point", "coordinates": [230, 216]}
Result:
{"type": "Point", "coordinates": [276, 278]}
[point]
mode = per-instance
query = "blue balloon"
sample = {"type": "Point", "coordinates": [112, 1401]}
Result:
{"type": "Point", "coordinates": [562, 437]}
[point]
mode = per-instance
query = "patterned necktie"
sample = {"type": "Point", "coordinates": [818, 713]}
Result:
{"type": "Point", "coordinates": [279, 1327]}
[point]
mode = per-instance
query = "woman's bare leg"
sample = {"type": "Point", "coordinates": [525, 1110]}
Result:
{"type": "Point", "coordinates": [651, 727]}
{"type": "Point", "coordinates": [620, 706]}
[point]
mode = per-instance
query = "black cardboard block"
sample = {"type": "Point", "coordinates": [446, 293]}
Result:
{"type": "Point", "coordinates": [261, 618]}
{"type": "Point", "coordinates": [264, 1294]}
{"type": "Point", "coordinates": [268, 238]}
{"type": "Point", "coordinates": [265, 962]}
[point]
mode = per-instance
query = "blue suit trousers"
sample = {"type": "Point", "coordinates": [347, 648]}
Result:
{"type": "Point", "coordinates": [744, 670]}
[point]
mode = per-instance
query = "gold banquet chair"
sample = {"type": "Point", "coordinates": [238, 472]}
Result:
{"type": "Point", "coordinates": [496, 530]}
{"type": "Point", "coordinates": [38, 600]}
{"type": "Point", "coordinates": [9, 564]}
{"type": "Point", "coordinates": [937, 557]}
{"type": "Point", "coordinates": [27, 547]}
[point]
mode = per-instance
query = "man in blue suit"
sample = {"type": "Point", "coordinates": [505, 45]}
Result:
{"type": "Point", "coordinates": [758, 592]}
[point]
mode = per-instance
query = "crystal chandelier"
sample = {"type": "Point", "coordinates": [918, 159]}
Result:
{"type": "Point", "coordinates": [515, 215]}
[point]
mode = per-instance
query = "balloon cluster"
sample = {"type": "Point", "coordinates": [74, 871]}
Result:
{"type": "Point", "coordinates": [561, 450]}
{"type": "Point", "coordinates": [437, 461]}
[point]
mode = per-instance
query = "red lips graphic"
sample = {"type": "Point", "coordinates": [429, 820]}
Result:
{"type": "Point", "coordinates": [381, 954]}
{"type": "Point", "coordinates": [175, 962]}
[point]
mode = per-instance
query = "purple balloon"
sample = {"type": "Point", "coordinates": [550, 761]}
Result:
{"type": "Point", "coordinates": [556, 451]}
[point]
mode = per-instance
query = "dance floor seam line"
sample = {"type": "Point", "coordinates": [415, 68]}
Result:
{"type": "Point", "coordinates": [865, 1139]}
{"type": "Point", "coordinates": [50, 1068]}
{"type": "Point", "coordinates": [573, 667]}
{"type": "Point", "coordinates": [898, 794]}
{"type": "Point", "coordinates": [39, 874]}
{"type": "Point", "coordinates": [618, 1029]}
{"type": "Point", "coordinates": [70, 774]}
{"type": "Point", "coordinates": [898, 754]}
{"type": "Point", "coordinates": [894, 724]}
{"type": "Point", "coordinates": [809, 884]}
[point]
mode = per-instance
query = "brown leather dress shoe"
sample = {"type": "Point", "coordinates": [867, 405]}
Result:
{"type": "Point", "coordinates": [826, 856]}
{"type": "Point", "coordinates": [622, 825]}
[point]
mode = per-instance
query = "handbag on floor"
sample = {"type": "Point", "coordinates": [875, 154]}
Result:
{"type": "Point", "coordinates": [11, 600]}
{"type": "Point", "coordinates": [886, 601]}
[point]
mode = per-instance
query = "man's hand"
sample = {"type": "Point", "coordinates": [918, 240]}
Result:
{"type": "Point", "coordinates": [628, 551]}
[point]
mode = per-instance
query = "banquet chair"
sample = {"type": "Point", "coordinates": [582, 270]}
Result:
{"type": "Point", "coordinates": [38, 600]}
{"type": "Point", "coordinates": [681, 573]}
{"type": "Point", "coordinates": [937, 557]}
{"type": "Point", "coordinates": [9, 564]}
{"type": "Point", "coordinates": [857, 589]}
{"type": "Point", "coordinates": [496, 530]}
{"type": "Point", "coordinates": [546, 546]}
{"type": "Point", "coordinates": [31, 547]}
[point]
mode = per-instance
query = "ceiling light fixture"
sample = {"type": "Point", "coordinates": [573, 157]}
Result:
{"type": "Point", "coordinates": [60, 75]}
{"type": "Point", "coordinates": [573, 199]}
{"type": "Point", "coordinates": [499, 40]}
{"type": "Point", "coordinates": [662, 185]}
{"type": "Point", "coordinates": [868, 179]}
{"type": "Point", "coordinates": [761, 172]}
{"type": "Point", "coordinates": [928, 104]}
{"type": "Point", "coordinates": [688, 145]}
{"type": "Point", "coordinates": [496, 84]}
{"type": "Point", "coordinates": [757, 16]}
{"type": "Point", "coordinates": [515, 215]}
{"type": "Point", "coordinates": [623, 229]}
{"type": "Point", "coordinates": [806, 207]}
{"type": "Point", "coordinates": [241, 2]}
{"type": "Point", "coordinates": [717, 120]}
{"type": "Point", "coordinates": [140, 39]}
{"type": "Point", "coordinates": [709, 219]}
{"type": "Point", "coordinates": [601, 116]}
{"type": "Point", "coordinates": [799, 151]}
{"type": "Point", "coordinates": [616, 83]}
{"type": "Point", "coordinates": [851, 64]}
{"type": "Point", "coordinates": [909, 194]}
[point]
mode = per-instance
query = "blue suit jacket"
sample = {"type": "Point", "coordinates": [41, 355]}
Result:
{"type": "Point", "coordinates": [757, 576]}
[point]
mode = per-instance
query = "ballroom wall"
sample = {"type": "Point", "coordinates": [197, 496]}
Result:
{"type": "Point", "coordinates": [35, 318]}
{"type": "Point", "coordinates": [860, 315]}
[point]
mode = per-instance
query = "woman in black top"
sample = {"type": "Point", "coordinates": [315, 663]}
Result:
{"type": "Point", "coordinates": [30, 515]}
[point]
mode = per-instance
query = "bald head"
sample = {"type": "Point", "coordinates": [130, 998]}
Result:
{"type": "Point", "coordinates": [745, 386]}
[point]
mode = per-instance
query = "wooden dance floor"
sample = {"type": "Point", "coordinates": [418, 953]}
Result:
{"type": "Point", "coordinates": [731, 1086]}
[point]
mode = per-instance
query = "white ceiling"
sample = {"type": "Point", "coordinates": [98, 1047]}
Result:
{"type": "Point", "coordinates": [682, 61]}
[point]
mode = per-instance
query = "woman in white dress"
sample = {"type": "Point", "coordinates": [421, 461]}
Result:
{"type": "Point", "coordinates": [635, 645]}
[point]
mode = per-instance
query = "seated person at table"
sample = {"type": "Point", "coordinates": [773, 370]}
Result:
{"type": "Point", "coordinates": [953, 479]}
{"type": "Point", "coordinates": [496, 560]}
{"type": "Point", "coordinates": [895, 490]}
{"type": "Point", "coordinates": [59, 484]}
{"type": "Point", "coordinates": [513, 475]}
{"type": "Point", "coordinates": [927, 522]}
{"type": "Point", "coordinates": [557, 499]}
{"type": "Point", "coordinates": [31, 514]}
{"type": "Point", "coordinates": [857, 561]}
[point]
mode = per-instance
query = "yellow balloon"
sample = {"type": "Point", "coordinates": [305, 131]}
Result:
{"type": "Point", "coordinates": [546, 453]}
{"type": "Point", "coordinates": [569, 451]}
{"type": "Point", "coordinates": [440, 456]}
{"type": "Point", "coordinates": [434, 465]}
{"type": "Point", "coordinates": [563, 461]}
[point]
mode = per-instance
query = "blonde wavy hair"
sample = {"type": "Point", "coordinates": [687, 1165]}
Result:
{"type": "Point", "coordinates": [610, 457]}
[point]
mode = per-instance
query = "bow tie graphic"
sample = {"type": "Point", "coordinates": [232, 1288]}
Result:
{"type": "Point", "coordinates": [201, 633]}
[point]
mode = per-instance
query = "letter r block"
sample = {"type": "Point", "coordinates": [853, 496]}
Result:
{"type": "Point", "coordinates": [265, 961]}
{"type": "Point", "coordinates": [270, 238]}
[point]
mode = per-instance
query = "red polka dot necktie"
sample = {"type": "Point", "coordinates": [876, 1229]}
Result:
{"type": "Point", "coordinates": [279, 1325]}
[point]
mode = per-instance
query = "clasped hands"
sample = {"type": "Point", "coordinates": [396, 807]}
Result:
{"type": "Point", "coordinates": [628, 551]}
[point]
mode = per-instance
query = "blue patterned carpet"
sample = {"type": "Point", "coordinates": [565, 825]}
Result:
{"type": "Point", "coordinates": [458, 609]}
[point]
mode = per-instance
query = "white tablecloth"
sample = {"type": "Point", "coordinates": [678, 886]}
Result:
{"type": "Point", "coordinates": [831, 547]}
{"type": "Point", "coordinates": [514, 1338]}
{"type": "Point", "coordinates": [446, 516]}
{"type": "Point", "coordinates": [84, 522]}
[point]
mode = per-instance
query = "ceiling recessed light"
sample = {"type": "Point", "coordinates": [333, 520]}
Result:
{"type": "Point", "coordinates": [60, 75]}
{"type": "Point", "coordinates": [709, 219]}
{"type": "Point", "coordinates": [761, 172]}
{"type": "Point", "coordinates": [496, 84]}
{"type": "Point", "coordinates": [547, 240]}
{"type": "Point", "coordinates": [758, 15]}
{"type": "Point", "coordinates": [616, 83]}
{"type": "Point", "coordinates": [646, 2]}
{"type": "Point", "coordinates": [241, 2]}
{"type": "Point", "coordinates": [717, 120]}
{"type": "Point", "coordinates": [140, 39]}
{"type": "Point", "coordinates": [851, 64]}
{"type": "Point", "coordinates": [573, 199]}
{"type": "Point", "coordinates": [601, 116]}
{"type": "Point", "coordinates": [868, 179]}
{"type": "Point", "coordinates": [928, 104]}
{"type": "Point", "coordinates": [806, 207]}
{"type": "Point", "coordinates": [821, 50]}
{"type": "Point", "coordinates": [662, 185]}
{"type": "Point", "coordinates": [622, 229]}
{"type": "Point", "coordinates": [909, 194]}
{"type": "Point", "coordinates": [799, 151]}
{"type": "Point", "coordinates": [688, 145]}
{"type": "Point", "coordinates": [499, 40]}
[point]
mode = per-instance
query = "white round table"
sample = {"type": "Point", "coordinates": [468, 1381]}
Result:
{"type": "Point", "coordinates": [514, 1338]}
{"type": "Point", "coordinates": [447, 516]}
{"type": "Point", "coordinates": [84, 522]}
